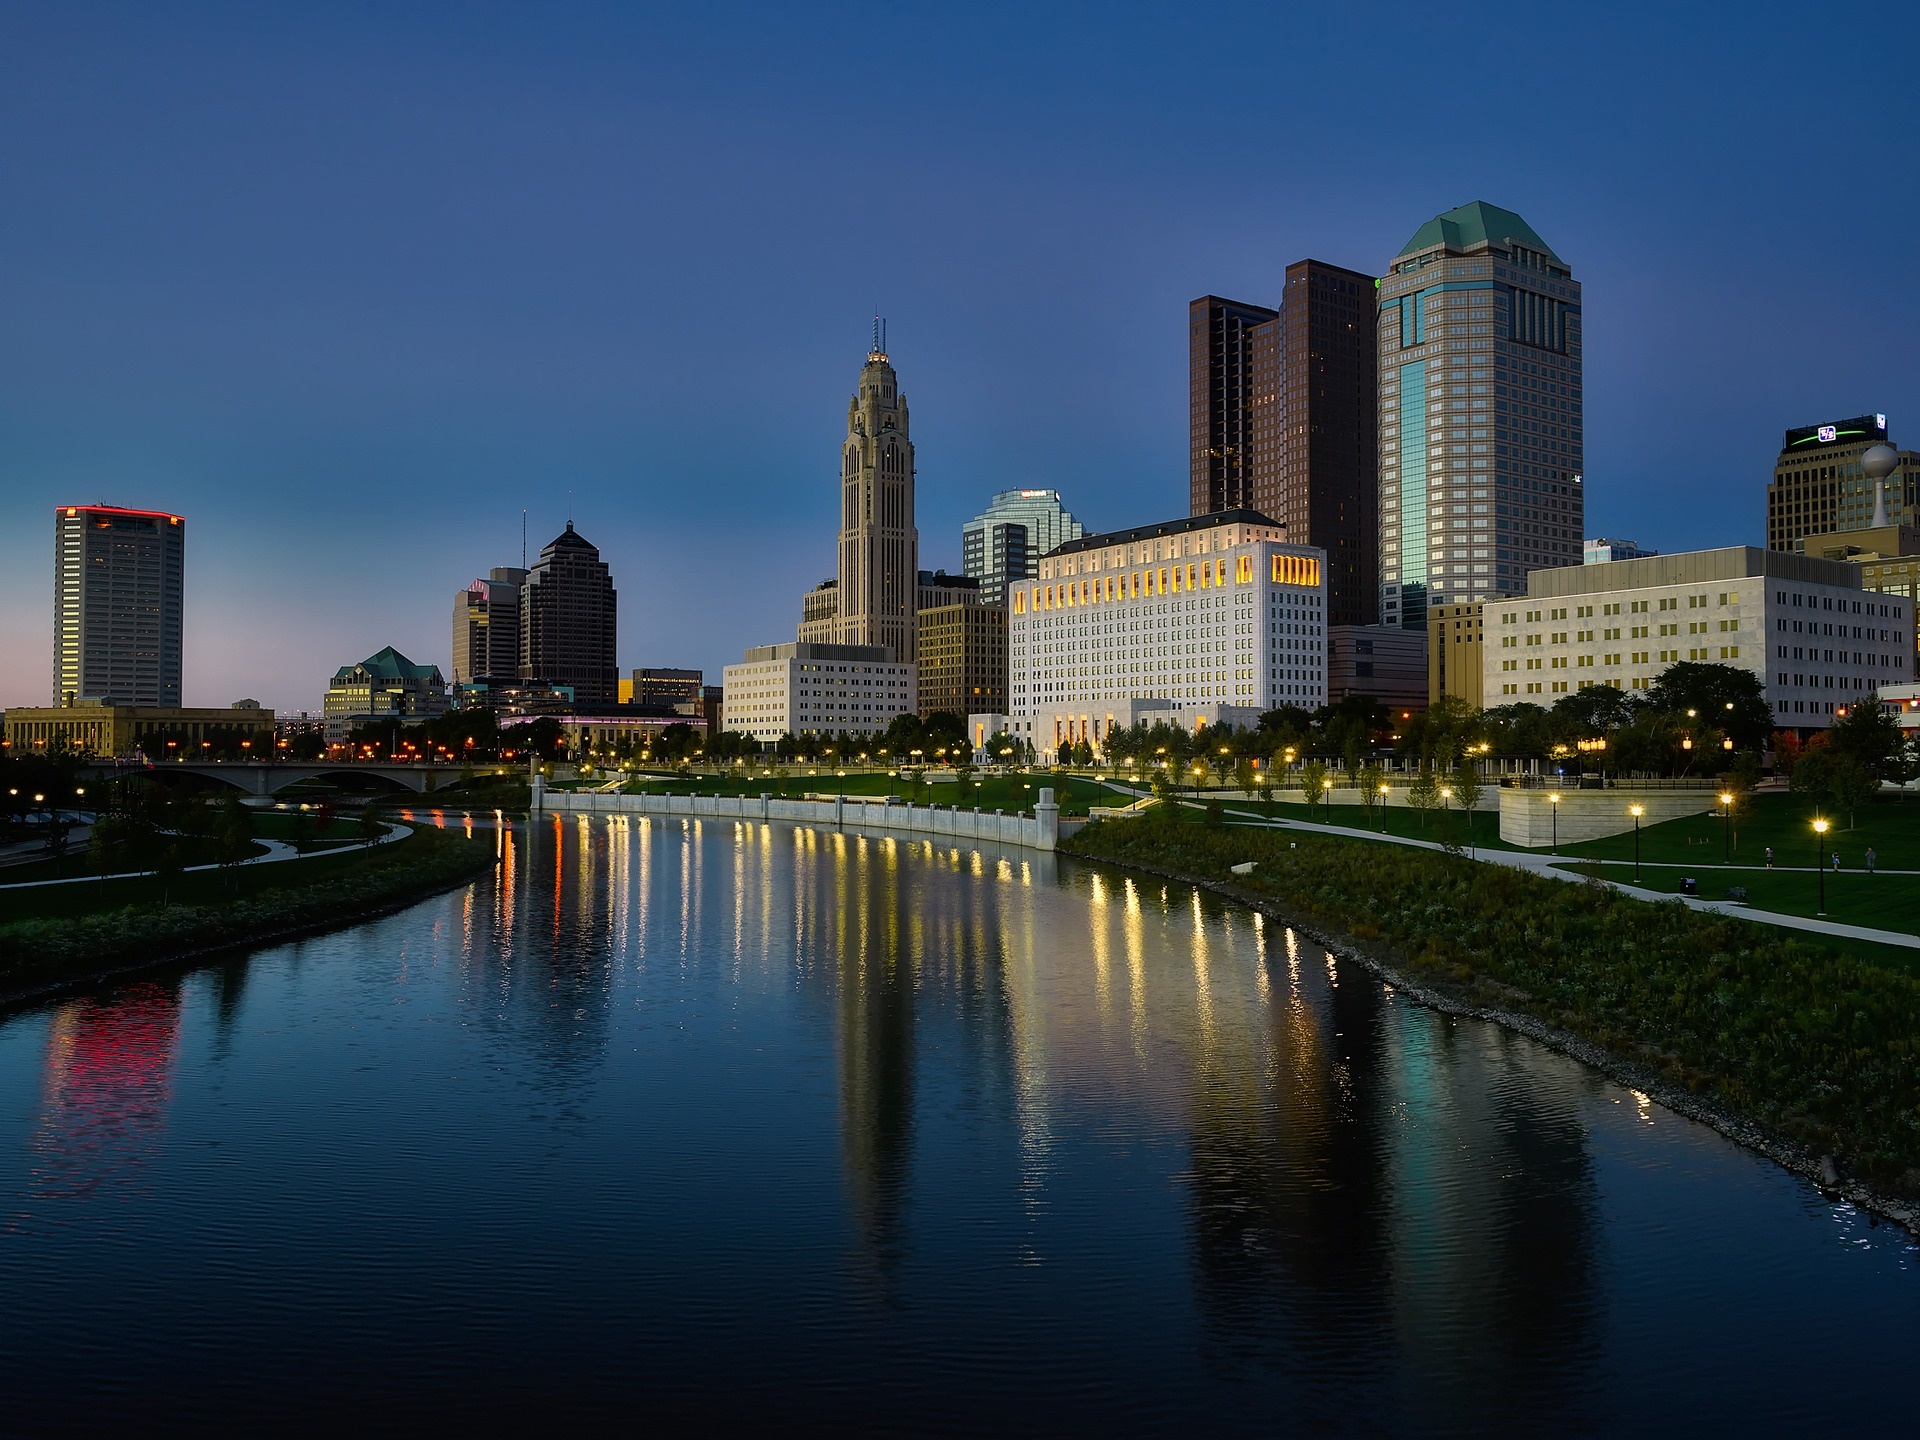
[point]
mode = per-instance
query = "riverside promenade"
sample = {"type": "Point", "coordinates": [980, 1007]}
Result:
{"type": "Point", "coordinates": [1039, 831]}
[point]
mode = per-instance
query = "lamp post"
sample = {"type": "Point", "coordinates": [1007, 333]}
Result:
{"type": "Point", "coordinates": [1553, 801]}
{"type": "Point", "coordinates": [1383, 807]}
{"type": "Point", "coordinates": [1636, 811]}
{"type": "Point", "coordinates": [1820, 860]}
{"type": "Point", "coordinates": [1726, 827]}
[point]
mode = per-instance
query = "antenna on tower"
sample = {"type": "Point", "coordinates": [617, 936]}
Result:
{"type": "Point", "coordinates": [523, 539]}
{"type": "Point", "coordinates": [876, 331]}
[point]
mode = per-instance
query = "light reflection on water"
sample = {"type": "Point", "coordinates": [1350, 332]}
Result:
{"type": "Point", "coordinates": [729, 1121]}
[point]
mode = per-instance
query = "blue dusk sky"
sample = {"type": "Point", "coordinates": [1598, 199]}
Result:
{"type": "Point", "coordinates": [350, 285]}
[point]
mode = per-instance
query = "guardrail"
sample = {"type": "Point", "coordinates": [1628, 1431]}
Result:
{"type": "Point", "coordinates": [1038, 831]}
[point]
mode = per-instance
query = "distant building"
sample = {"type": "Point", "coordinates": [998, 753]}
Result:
{"type": "Point", "coordinates": [827, 690]}
{"type": "Point", "coordinates": [1203, 616]}
{"type": "Point", "coordinates": [1599, 552]}
{"type": "Point", "coordinates": [118, 605]}
{"type": "Point", "coordinates": [384, 686]}
{"type": "Point", "coordinates": [1887, 557]}
{"type": "Point", "coordinates": [568, 621]}
{"type": "Point", "coordinates": [1481, 428]}
{"type": "Point", "coordinates": [963, 659]}
{"type": "Point", "coordinates": [1220, 402]}
{"type": "Point", "coordinates": [486, 628]}
{"type": "Point", "coordinates": [1818, 486]}
{"type": "Point", "coordinates": [666, 688]}
{"type": "Point", "coordinates": [820, 613]}
{"type": "Point", "coordinates": [1002, 545]}
{"type": "Point", "coordinates": [1803, 626]}
{"type": "Point", "coordinates": [1316, 460]}
{"type": "Point", "coordinates": [1383, 661]}
{"type": "Point", "coordinates": [108, 729]}
{"type": "Point", "coordinates": [1455, 635]}
{"type": "Point", "coordinates": [936, 588]}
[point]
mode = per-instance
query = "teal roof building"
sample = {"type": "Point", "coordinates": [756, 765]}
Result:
{"type": "Point", "coordinates": [1482, 436]}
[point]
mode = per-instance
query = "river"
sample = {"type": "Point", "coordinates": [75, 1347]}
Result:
{"type": "Point", "coordinates": [681, 1124]}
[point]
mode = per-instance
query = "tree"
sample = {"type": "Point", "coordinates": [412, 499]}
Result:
{"type": "Point", "coordinates": [1313, 778]}
{"type": "Point", "coordinates": [168, 867]}
{"type": "Point", "coordinates": [1424, 794]}
{"type": "Point", "coordinates": [1371, 780]}
{"type": "Point", "coordinates": [1243, 775]}
{"type": "Point", "coordinates": [1466, 789]}
{"type": "Point", "coordinates": [1869, 736]}
{"type": "Point", "coordinates": [1727, 696]}
{"type": "Point", "coordinates": [370, 825]}
{"type": "Point", "coordinates": [1263, 782]}
{"type": "Point", "coordinates": [233, 837]}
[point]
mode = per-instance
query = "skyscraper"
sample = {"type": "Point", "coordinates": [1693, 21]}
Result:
{"type": "Point", "coordinates": [567, 621]}
{"type": "Point", "coordinates": [1316, 439]}
{"type": "Point", "coordinates": [486, 628]}
{"type": "Point", "coordinates": [1481, 447]}
{"type": "Point", "coordinates": [1221, 400]}
{"type": "Point", "coordinates": [1002, 545]}
{"type": "Point", "coordinates": [1818, 486]}
{"type": "Point", "coordinates": [1283, 410]}
{"type": "Point", "coordinates": [879, 546]}
{"type": "Point", "coordinates": [118, 582]}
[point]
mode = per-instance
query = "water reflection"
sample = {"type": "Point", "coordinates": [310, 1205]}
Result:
{"type": "Point", "coordinates": [106, 1085]}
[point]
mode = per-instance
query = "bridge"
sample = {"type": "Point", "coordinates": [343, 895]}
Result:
{"type": "Point", "coordinates": [271, 777]}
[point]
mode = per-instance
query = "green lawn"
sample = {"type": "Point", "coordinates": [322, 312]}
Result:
{"type": "Point", "coordinates": [1891, 825]}
{"type": "Point", "coordinates": [1885, 902]}
{"type": "Point", "coordinates": [996, 792]}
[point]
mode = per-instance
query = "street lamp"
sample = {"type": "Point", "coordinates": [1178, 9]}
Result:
{"type": "Point", "coordinates": [1636, 811]}
{"type": "Point", "coordinates": [1726, 828]}
{"type": "Point", "coordinates": [1383, 806]}
{"type": "Point", "coordinates": [1554, 801]}
{"type": "Point", "coordinates": [1820, 860]}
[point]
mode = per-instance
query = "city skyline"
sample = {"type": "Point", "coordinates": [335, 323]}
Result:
{"type": "Point", "coordinates": [355, 347]}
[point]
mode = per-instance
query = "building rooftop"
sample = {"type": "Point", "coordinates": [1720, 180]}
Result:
{"type": "Point", "coordinates": [1184, 526]}
{"type": "Point", "coordinates": [1693, 567]}
{"type": "Point", "coordinates": [390, 664]}
{"type": "Point", "coordinates": [1474, 225]}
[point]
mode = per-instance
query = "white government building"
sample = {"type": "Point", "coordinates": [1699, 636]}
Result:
{"type": "Point", "coordinates": [1206, 620]}
{"type": "Point", "coordinates": [1803, 625]}
{"type": "Point", "coordinates": [804, 689]}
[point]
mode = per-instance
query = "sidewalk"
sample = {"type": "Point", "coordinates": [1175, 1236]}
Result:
{"type": "Point", "coordinates": [1545, 864]}
{"type": "Point", "coordinates": [277, 851]}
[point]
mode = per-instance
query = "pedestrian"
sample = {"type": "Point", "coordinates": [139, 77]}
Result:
{"type": "Point", "coordinates": [1871, 857]}
{"type": "Point", "coordinates": [1769, 857]}
{"type": "Point", "coordinates": [1836, 859]}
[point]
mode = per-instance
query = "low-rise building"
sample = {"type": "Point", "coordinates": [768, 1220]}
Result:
{"type": "Point", "coordinates": [384, 686]}
{"type": "Point", "coordinates": [1204, 612]}
{"type": "Point", "coordinates": [1454, 659]}
{"type": "Point", "coordinates": [662, 687]}
{"type": "Point", "coordinates": [1802, 625]}
{"type": "Point", "coordinates": [1384, 661]}
{"type": "Point", "coordinates": [1599, 552]}
{"type": "Point", "coordinates": [807, 689]}
{"type": "Point", "coordinates": [963, 659]}
{"type": "Point", "coordinates": [159, 732]}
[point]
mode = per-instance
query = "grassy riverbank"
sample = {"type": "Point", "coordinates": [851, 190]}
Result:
{"type": "Point", "coordinates": [1813, 1044]}
{"type": "Point", "coordinates": [61, 932]}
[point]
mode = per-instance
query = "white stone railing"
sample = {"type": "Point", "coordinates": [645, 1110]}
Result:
{"type": "Point", "coordinates": [1038, 831]}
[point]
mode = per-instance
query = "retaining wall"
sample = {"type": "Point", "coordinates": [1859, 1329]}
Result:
{"type": "Point", "coordinates": [1526, 816]}
{"type": "Point", "coordinates": [1038, 831]}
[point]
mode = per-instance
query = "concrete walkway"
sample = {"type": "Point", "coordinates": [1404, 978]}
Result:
{"type": "Point", "coordinates": [1545, 864]}
{"type": "Point", "coordinates": [277, 851]}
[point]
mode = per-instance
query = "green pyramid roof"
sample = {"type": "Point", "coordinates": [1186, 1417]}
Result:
{"type": "Point", "coordinates": [1476, 224]}
{"type": "Point", "coordinates": [390, 664]}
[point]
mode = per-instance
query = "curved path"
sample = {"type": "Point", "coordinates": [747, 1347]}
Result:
{"type": "Point", "coordinates": [277, 850]}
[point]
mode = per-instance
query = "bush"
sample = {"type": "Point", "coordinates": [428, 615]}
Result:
{"type": "Point", "coordinates": [1812, 1042]}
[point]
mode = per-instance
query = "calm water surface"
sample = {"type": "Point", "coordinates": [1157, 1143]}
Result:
{"type": "Point", "coordinates": [706, 1124]}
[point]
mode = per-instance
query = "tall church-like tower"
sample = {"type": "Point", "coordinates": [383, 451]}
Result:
{"type": "Point", "coordinates": [879, 546]}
